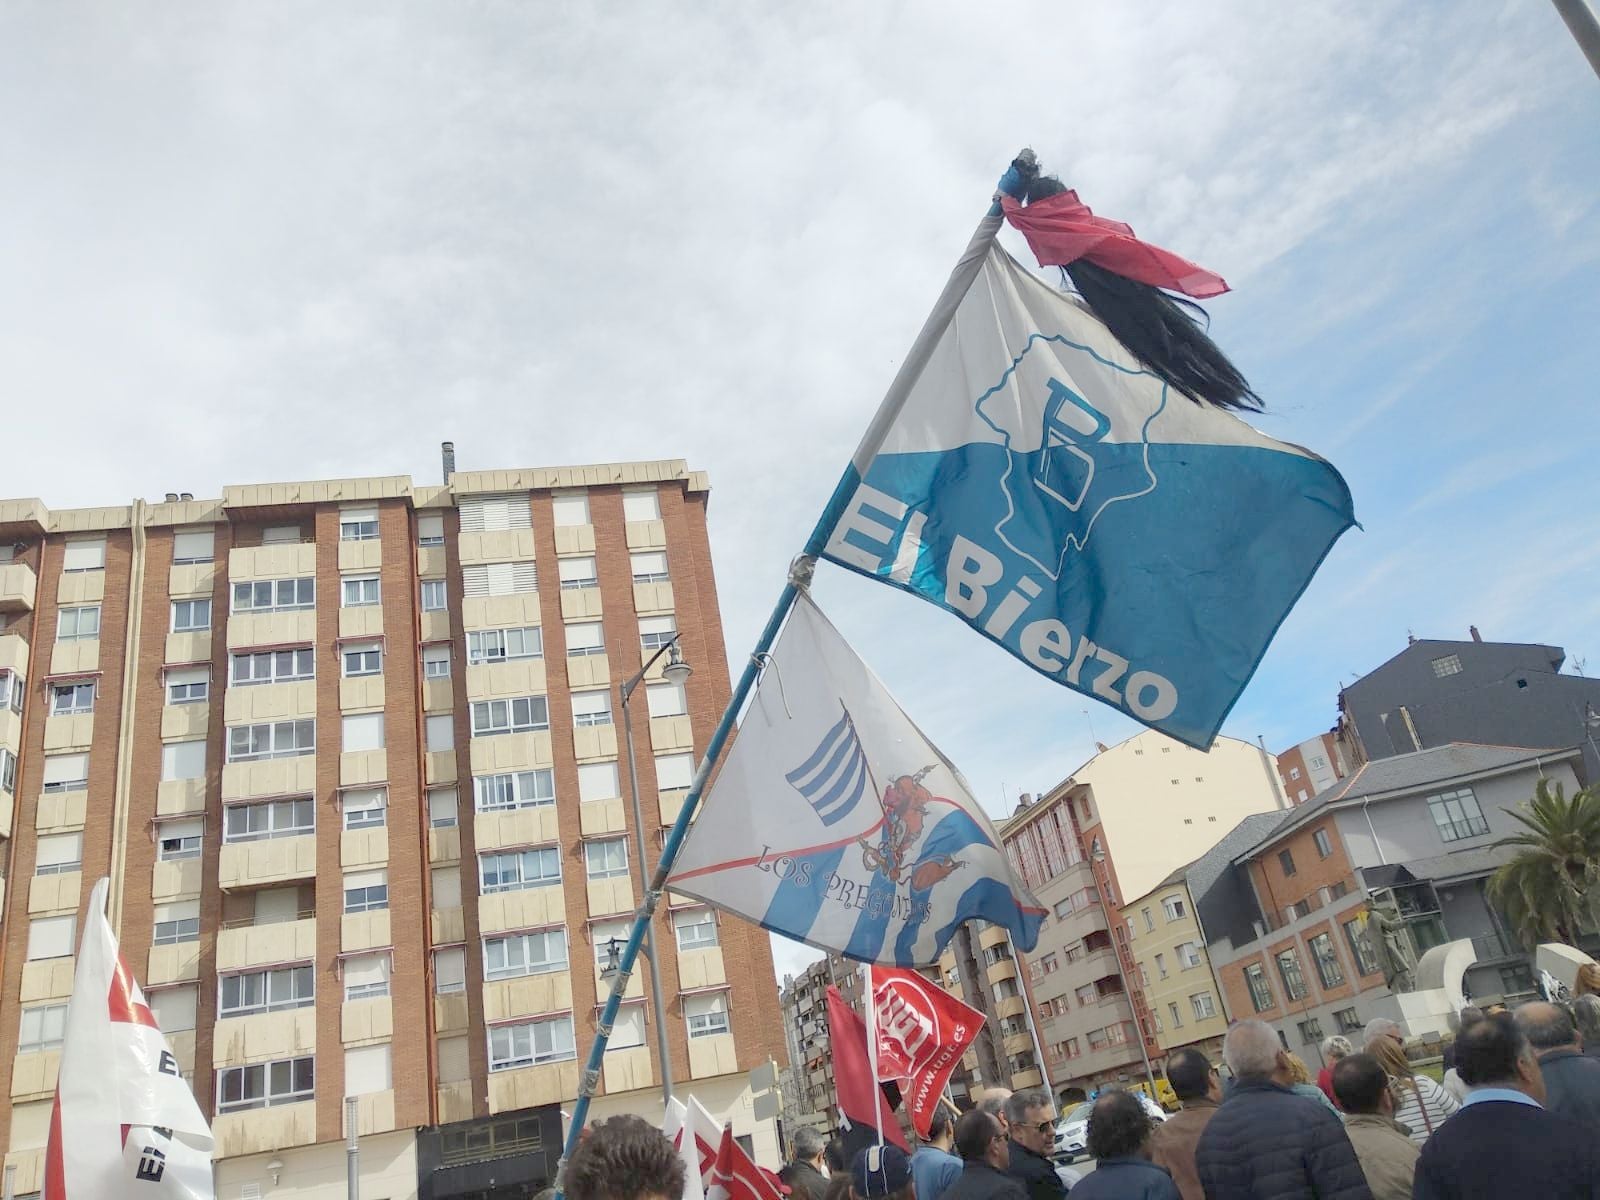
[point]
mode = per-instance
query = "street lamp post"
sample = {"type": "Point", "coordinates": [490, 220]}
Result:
{"type": "Point", "coordinates": [1096, 859]}
{"type": "Point", "coordinates": [676, 671]}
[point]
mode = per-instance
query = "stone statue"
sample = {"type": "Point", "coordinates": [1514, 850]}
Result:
{"type": "Point", "coordinates": [1391, 941]}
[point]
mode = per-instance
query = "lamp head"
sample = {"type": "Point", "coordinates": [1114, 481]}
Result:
{"type": "Point", "coordinates": [676, 671]}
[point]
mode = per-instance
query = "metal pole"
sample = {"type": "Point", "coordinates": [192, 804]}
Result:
{"type": "Point", "coordinates": [352, 1149]}
{"type": "Point", "coordinates": [657, 996]}
{"type": "Point", "coordinates": [1127, 987]}
{"type": "Point", "coordinates": [1585, 29]}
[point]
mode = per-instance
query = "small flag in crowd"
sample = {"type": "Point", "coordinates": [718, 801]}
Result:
{"type": "Point", "coordinates": [922, 1033]}
{"type": "Point", "coordinates": [125, 1124]}
{"type": "Point", "coordinates": [735, 1176]}
{"type": "Point", "coordinates": [834, 821]}
{"type": "Point", "coordinates": [862, 1101]}
{"type": "Point", "coordinates": [679, 1129]}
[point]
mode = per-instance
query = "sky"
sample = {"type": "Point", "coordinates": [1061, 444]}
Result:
{"type": "Point", "coordinates": [249, 242]}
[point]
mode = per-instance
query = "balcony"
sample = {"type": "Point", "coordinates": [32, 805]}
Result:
{"type": "Point", "coordinates": [713, 1055]}
{"type": "Point", "coordinates": [244, 946]}
{"type": "Point", "coordinates": [264, 1130]}
{"type": "Point", "coordinates": [529, 1087]}
{"type": "Point", "coordinates": [18, 587]}
{"type": "Point", "coordinates": [268, 861]}
{"type": "Point", "coordinates": [527, 996]}
{"type": "Point", "coordinates": [1005, 968]}
{"type": "Point", "coordinates": [13, 653]}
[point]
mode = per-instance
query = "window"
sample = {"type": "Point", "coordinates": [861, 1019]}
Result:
{"type": "Point", "coordinates": [280, 535]}
{"type": "Point", "coordinates": [1449, 664]}
{"type": "Point", "coordinates": [366, 891]}
{"type": "Point", "coordinates": [697, 928]}
{"type": "Point", "coordinates": [707, 1015]}
{"type": "Point", "coordinates": [649, 566]}
{"type": "Point", "coordinates": [177, 922]}
{"type": "Point", "coordinates": [1286, 862]}
{"type": "Point", "coordinates": [569, 508]}
{"type": "Point", "coordinates": [500, 579]}
{"type": "Point", "coordinates": [606, 859]}
{"type": "Point", "coordinates": [666, 699]}
{"type": "Point", "coordinates": [1174, 908]}
{"type": "Point", "coordinates": [591, 708]}
{"type": "Point", "coordinates": [58, 854]}
{"type": "Point", "coordinates": [367, 1069]}
{"type": "Point", "coordinates": [362, 731]}
{"type": "Point", "coordinates": [280, 739]}
{"type": "Point", "coordinates": [491, 513]}
{"type": "Point", "coordinates": [628, 1031]}
{"type": "Point", "coordinates": [188, 616]}
{"type": "Point", "coordinates": [513, 955]}
{"type": "Point", "coordinates": [262, 1085]}
{"type": "Point", "coordinates": [656, 632]}
{"type": "Point", "coordinates": [1457, 815]}
{"type": "Point", "coordinates": [179, 839]}
{"type": "Point", "coordinates": [363, 809]}
{"type": "Point", "coordinates": [1300, 798]}
{"type": "Point", "coordinates": [183, 760]}
{"type": "Point", "coordinates": [1086, 995]}
{"type": "Point", "coordinates": [520, 789]}
{"type": "Point", "coordinates": [8, 771]}
{"type": "Point", "coordinates": [449, 971]}
{"type": "Point", "coordinates": [1360, 947]}
{"type": "Point", "coordinates": [1203, 1005]}
{"type": "Point", "coordinates": [273, 666]}
{"type": "Point", "coordinates": [436, 662]}
{"type": "Point", "coordinates": [490, 717]}
{"type": "Point", "coordinates": [275, 595]}
{"type": "Point", "coordinates": [1323, 843]}
{"type": "Point", "coordinates": [1188, 955]}
{"type": "Point", "coordinates": [598, 781]}
{"type": "Point", "coordinates": [68, 699]}
{"type": "Point", "coordinates": [585, 638]}
{"type": "Point", "coordinates": [531, 1042]}
{"type": "Point", "coordinates": [362, 658]}
{"type": "Point", "coordinates": [430, 529]}
{"type": "Point", "coordinates": [674, 771]}
{"type": "Point", "coordinates": [81, 624]}
{"type": "Point", "coordinates": [11, 690]}
{"type": "Point", "coordinates": [357, 591]}
{"type": "Point", "coordinates": [440, 730]}
{"type": "Point", "coordinates": [442, 808]}
{"type": "Point", "coordinates": [270, 990]}
{"type": "Point", "coordinates": [1177, 1017]}
{"type": "Point", "coordinates": [188, 685]}
{"type": "Point", "coordinates": [577, 573]}
{"type": "Point", "coordinates": [1260, 989]}
{"type": "Point", "coordinates": [1161, 965]}
{"type": "Point", "coordinates": [85, 554]}
{"type": "Point", "coordinates": [445, 885]}
{"type": "Point", "coordinates": [1294, 983]}
{"type": "Point", "coordinates": [51, 937]}
{"type": "Point", "coordinates": [1327, 960]}
{"type": "Point", "coordinates": [42, 1028]}
{"type": "Point", "coordinates": [1310, 1031]}
{"type": "Point", "coordinates": [66, 772]}
{"type": "Point", "coordinates": [514, 870]}
{"type": "Point", "coordinates": [434, 595]}
{"type": "Point", "coordinates": [641, 505]}
{"type": "Point", "coordinates": [1348, 1020]}
{"type": "Point", "coordinates": [502, 645]}
{"type": "Point", "coordinates": [358, 525]}
{"type": "Point", "coordinates": [269, 819]}
{"type": "Point", "coordinates": [1294, 773]}
{"type": "Point", "coordinates": [1049, 964]}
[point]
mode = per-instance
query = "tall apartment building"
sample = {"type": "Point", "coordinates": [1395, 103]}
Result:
{"type": "Point", "coordinates": [348, 752]}
{"type": "Point", "coordinates": [1309, 767]}
{"type": "Point", "coordinates": [804, 1000]}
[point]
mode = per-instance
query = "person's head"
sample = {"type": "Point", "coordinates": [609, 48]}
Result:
{"type": "Point", "coordinates": [1254, 1054]}
{"type": "Point", "coordinates": [808, 1146]}
{"type": "Point", "coordinates": [1495, 1053]}
{"type": "Point", "coordinates": [1336, 1047]}
{"type": "Point", "coordinates": [1586, 1012]}
{"type": "Point", "coordinates": [1471, 1014]}
{"type": "Point", "coordinates": [625, 1158]}
{"type": "Point", "coordinates": [1391, 1057]}
{"type": "Point", "coordinates": [940, 1128]}
{"type": "Point", "coordinates": [881, 1173]}
{"type": "Point", "coordinates": [1546, 1026]}
{"type": "Point", "coordinates": [1382, 1028]}
{"type": "Point", "coordinates": [1362, 1085]}
{"type": "Point", "coordinates": [1298, 1072]}
{"type": "Point", "coordinates": [838, 1186]}
{"type": "Point", "coordinates": [994, 1103]}
{"type": "Point", "coordinates": [1031, 1113]}
{"type": "Point", "coordinates": [1588, 980]}
{"type": "Point", "coordinates": [1192, 1076]}
{"type": "Point", "coordinates": [979, 1138]}
{"type": "Point", "coordinates": [833, 1155]}
{"type": "Point", "coordinates": [1118, 1126]}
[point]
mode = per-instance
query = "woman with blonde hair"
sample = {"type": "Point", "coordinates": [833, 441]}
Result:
{"type": "Point", "coordinates": [1588, 981]}
{"type": "Point", "coordinates": [1419, 1102]}
{"type": "Point", "coordinates": [1302, 1085]}
{"type": "Point", "coordinates": [1333, 1049]}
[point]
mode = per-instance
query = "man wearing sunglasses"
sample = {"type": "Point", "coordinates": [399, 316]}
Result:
{"type": "Point", "coordinates": [1031, 1115]}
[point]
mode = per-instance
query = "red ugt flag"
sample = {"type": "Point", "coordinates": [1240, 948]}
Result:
{"type": "Point", "coordinates": [852, 1073]}
{"type": "Point", "coordinates": [922, 1033]}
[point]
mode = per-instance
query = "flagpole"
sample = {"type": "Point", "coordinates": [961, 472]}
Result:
{"type": "Point", "coordinates": [872, 1048]}
{"type": "Point", "coordinates": [961, 278]}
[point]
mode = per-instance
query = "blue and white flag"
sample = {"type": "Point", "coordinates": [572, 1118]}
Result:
{"type": "Point", "coordinates": [1028, 475]}
{"type": "Point", "coordinates": [834, 821]}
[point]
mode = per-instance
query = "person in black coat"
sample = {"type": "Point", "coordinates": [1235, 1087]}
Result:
{"type": "Point", "coordinates": [1266, 1143]}
{"type": "Point", "coordinates": [985, 1152]}
{"type": "Point", "coordinates": [1119, 1139]}
{"type": "Point", "coordinates": [1571, 1079]}
{"type": "Point", "coordinates": [1031, 1122]}
{"type": "Point", "coordinates": [803, 1173]}
{"type": "Point", "coordinates": [1503, 1142]}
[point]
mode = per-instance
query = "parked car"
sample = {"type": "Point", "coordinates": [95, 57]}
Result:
{"type": "Point", "coordinates": [1072, 1134]}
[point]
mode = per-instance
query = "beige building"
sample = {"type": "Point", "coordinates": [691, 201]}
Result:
{"type": "Point", "coordinates": [1169, 952]}
{"type": "Point", "coordinates": [348, 751]}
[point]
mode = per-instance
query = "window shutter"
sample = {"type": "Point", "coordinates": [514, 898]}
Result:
{"type": "Point", "coordinates": [64, 768]}
{"type": "Point", "coordinates": [365, 879]}
{"type": "Point", "coordinates": [430, 526]}
{"type": "Point", "coordinates": [435, 654]}
{"type": "Point", "coordinates": [585, 635]}
{"type": "Point", "coordinates": [570, 508]}
{"type": "Point", "coordinates": [487, 514]}
{"type": "Point", "coordinates": [364, 513]}
{"type": "Point", "coordinates": [366, 1070]}
{"type": "Point", "coordinates": [674, 771]}
{"type": "Point", "coordinates": [453, 1060]}
{"type": "Point", "coordinates": [602, 932]}
{"type": "Point", "coordinates": [590, 704]}
{"type": "Point", "coordinates": [174, 1008]}
{"type": "Point", "coordinates": [177, 910]}
{"type": "Point", "coordinates": [524, 577]}
{"type": "Point", "coordinates": [627, 1031]}
{"type": "Point", "coordinates": [365, 970]}
{"type": "Point", "coordinates": [194, 545]}
{"type": "Point", "coordinates": [474, 581]}
{"type": "Point", "coordinates": [182, 760]}
{"type": "Point", "coordinates": [641, 505]}
{"type": "Point", "coordinates": [188, 675]}
{"type": "Point", "coordinates": [88, 554]}
{"type": "Point", "coordinates": [58, 850]}
{"type": "Point", "coordinates": [446, 887]}
{"type": "Point", "coordinates": [442, 806]}
{"type": "Point", "coordinates": [597, 781]}
{"type": "Point", "coordinates": [362, 800]}
{"type": "Point", "coordinates": [666, 700]}
{"type": "Point", "coordinates": [449, 970]}
{"type": "Point", "coordinates": [275, 535]}
{"type": "Point", "coordinates": [572, 570]}
{"type": "Point", "coordinates": [441, 733]}
{"type": "Point", "coordinates": [363, 732]}
{"type": "Point", "coordinates": [188, 827]}
{"type": "Point", "coordinates": [51, 937]}
{"type": "Point", "coordinates": [667, 625]}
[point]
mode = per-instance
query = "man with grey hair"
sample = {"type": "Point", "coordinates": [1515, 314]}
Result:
{"type": "Point", "coordinates": [994, 1103]}
{"type": "Point", "coordinates": [804, 1173]}
{"type": "Point", "coordinates": [1265, 1142]}
{"type": "Point", "coordinates": [1571, 1081]}
{"type": "Point", "coordinates": [1586, 1012]}
{"type": "Point", "coordinates": [1031, 1115]}
{"type": "Point", "coordinates": [1382, 1027]}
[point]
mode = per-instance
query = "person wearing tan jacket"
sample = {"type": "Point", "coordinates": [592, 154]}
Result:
{"type": "Point", "coordinates": [1172, 1145]}
{"type": "Point", "coordinates": [1387, 1154]}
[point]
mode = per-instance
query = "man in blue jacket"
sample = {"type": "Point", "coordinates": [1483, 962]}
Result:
{"type": "Point", "coordinates": [1119, 1139]}
{"type": "Point", "coordinates": [1571, 1079]}
{"type": "Point", "coordinates": [1265, 1142]}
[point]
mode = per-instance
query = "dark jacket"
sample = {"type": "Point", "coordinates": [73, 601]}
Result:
{"type": "Point", "coordinates": [805, 1181]}
{"type": "Point", "coordinates": [1497, 1148]}
{"type": "Point", "coordinates": [980, 1181]}
{"type": "Point", "coordinates": [1036, 1174]}
{"type": "Point", "coordinates": [1126, 1179]}
{"type": "Point", "coordinates": [1572, 1086]}
{"type": "Point", "coordinates": [1266, 1143]}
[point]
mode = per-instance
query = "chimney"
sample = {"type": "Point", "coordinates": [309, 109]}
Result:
{"type": "Point", "coordinates": [185, 495]}
{"type": "Point", "coordinates": [172, 497]}
{"type": "Point", "coordinates": [1473, 630]}
{"type": "Point", "coordinates": [447, 451]}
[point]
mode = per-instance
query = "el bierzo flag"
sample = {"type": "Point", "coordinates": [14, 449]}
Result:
{"type": "Point", "coordinates": [1115, 535]}
{"type": "Point", "coordinates": [835, 822]}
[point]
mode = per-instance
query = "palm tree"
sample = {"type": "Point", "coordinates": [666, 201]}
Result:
{"type": "Point", "coordinates": [1551, 889]}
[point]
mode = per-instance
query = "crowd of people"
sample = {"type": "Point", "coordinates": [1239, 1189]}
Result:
{"type": "Point", "coordinates": [1518, 1114]}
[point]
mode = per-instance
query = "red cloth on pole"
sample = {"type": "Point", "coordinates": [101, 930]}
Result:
{"type": "Point", "coordinates": [1060, 229]}
{"type": "Point", "coordinates": [852, 1073]}
{"type": "Point", "coordinates": [735, 1177]}
{"type": "Point", "coordinates": [922, 1033]}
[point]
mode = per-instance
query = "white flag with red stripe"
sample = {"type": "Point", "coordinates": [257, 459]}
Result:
{"type": "Point", "coordinates": [735, 1176]}
{"type": "Point", "coordinates": [681, 1134]}
{"type": "Point", "coordinates": [122, 1106]}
